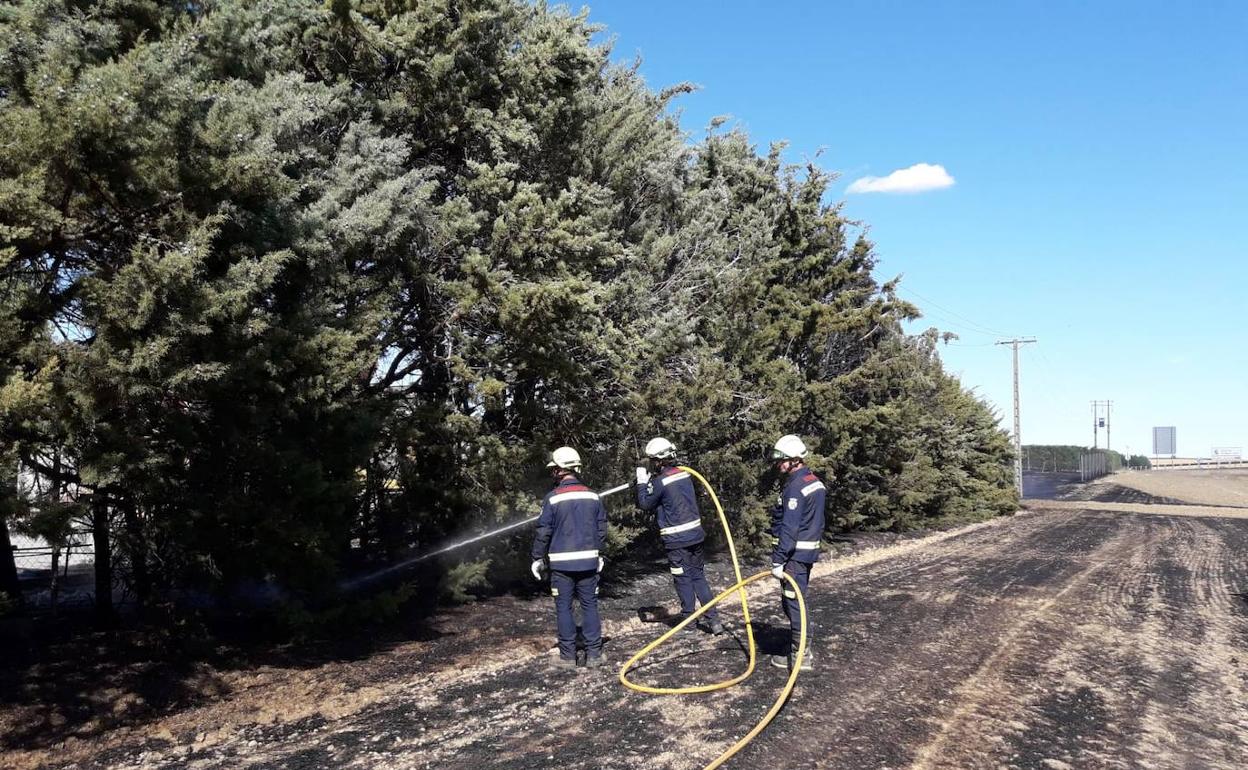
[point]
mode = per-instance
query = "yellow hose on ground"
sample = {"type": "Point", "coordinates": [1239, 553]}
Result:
{"type": "Point", "coordinates": [738, 587]}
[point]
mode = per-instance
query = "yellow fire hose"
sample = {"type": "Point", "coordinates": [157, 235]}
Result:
{"type": "Point", "coordinates": [738, 587]}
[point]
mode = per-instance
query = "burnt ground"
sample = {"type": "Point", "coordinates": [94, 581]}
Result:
{"type": "Point", "coordinates": [1106, 491]}
{"type": "Point", "coordinates": [1057, 638]}
{"type": "Point", "coordinates": [1052, 485]}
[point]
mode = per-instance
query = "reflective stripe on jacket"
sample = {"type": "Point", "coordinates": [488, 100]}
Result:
{"type": "Point", "coordinates": [572, 527]}
{"type": "Point", "coordinates": [671, 496]}
{"type": "Point", "coordinates": [797, 520]}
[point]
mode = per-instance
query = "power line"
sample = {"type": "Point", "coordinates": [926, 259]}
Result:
{"type": "Point", "coordinates": [945, 323]}
{"type": "Point", "coordinates": [982, 329]}
{"type": "Point", "coordinates": [1052, 379]}
{"type": "Point", "coordinates": [1044, 358]}
{"type": "Point", "coordinates": [1048, 379]}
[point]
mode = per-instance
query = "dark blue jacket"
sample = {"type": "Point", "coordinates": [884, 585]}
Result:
{"type": "Point", "coordinates": [572, 527]}
{"type": "Point", "coordinates": [671, 493]}
{"type": "Point", "coordinates": [797, 520]}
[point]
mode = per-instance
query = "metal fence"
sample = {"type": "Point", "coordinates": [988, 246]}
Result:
{"type": "Point", "coordinates": [55, 580]}
{"type": "Point", "coordinates": [1093, 465]}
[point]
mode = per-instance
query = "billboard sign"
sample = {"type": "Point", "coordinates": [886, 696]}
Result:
{"type": "Point", "coordinates": [1228, 453]}
{"type": "Point", "coordinates": [1163, 441]}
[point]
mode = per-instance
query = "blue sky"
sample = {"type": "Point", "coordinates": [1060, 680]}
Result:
{"type": "Point", "coordinates": [1099, 158]}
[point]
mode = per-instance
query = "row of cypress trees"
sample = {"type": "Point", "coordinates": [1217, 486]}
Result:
{"type": "Point", "coordinates": [281, 278]}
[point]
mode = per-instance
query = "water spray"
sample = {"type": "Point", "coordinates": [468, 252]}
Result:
{"type": "Point", "coordinates": [737, 588]}
{"type": "Point", "coordinates": [363, 580]}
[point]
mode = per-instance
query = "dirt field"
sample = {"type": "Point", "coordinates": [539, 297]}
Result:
{"type": "Point", "coordinates": [1203, 487]}
{"type": "Point", "coordinates": [1071, 636]}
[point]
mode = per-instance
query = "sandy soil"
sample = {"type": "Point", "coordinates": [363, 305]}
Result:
{"type": "Point", "coordinates": [1203, 487]}
{"type": "Point", "coordinates": [1070, 636]}
{"type": "Point", "coordinates": [1148, 509]}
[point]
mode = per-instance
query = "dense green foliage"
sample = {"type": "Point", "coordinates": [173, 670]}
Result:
{"type": "Point", "coordinates": [1139, 462]}
{"type": "Point", "coordinates": [1065, 457]}
{"type": "Point", "coordinates": [279, 276]}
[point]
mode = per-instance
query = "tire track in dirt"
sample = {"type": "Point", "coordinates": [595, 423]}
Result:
{"type": "Point", "coordinates": [669, 733]}
{"type": "Point", "coordinates": [1195, 659]}
{"type": "Point", "coordinates": [441, 712]}
{"type": "Point", "coordinates": [941, 640]}
{"type": "Point", "coordinates": [1138, 679]}
{"type": "Point", "coordinates": [1087, 639]}
{"type": "Point", "coordinates": [982, 698]}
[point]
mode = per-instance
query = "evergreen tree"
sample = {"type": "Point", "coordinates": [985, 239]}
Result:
{"type": "Point", "coordinates": [280, 275]}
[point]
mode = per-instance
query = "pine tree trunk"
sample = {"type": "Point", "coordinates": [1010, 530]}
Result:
{"type": "Point", "coordinates": [8, 566]}
{"type": "Point", "coordinates": [103, 557]}
{"type": "Point", "coordinates": [136, 548]}
{"type": "Point", "coordinates": [55, 588]}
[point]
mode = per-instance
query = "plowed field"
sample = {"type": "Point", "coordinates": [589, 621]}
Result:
{"type": "Point", "coordinates": [1108, 633]}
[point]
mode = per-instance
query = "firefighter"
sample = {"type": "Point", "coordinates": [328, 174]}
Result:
{"type": "Point", "coordinates": [797, 524]}
{"type": "Point", "coordinates": [670, 494]}
{"type": "Point", "coordinates": [571, 535]}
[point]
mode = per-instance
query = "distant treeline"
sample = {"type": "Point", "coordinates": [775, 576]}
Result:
{"type": "Point", "coordinates": [293, 288]}
{"type": "Point", "coordinates": [1065, 457]}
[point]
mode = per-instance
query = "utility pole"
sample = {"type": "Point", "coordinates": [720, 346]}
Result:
{"type": "Point", "coordinates": [1096, 422]}
{"type": "Point", "coordinates": [1018, 441]}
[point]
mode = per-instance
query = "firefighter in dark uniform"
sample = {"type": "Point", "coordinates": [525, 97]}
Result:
{"type": "Point", "coordinates": [670, 494]}
{"type": "Point", "coordinates": [797, 524]}
{"type": "Point", "coordinates": [571, 535]}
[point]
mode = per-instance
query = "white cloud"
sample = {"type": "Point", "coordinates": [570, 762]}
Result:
{"type": "Point", "coordinates": [920, 177]}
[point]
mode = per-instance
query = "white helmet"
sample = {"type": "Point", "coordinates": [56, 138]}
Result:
{"type": "Point", "coordinates": [660, 448]}
{"type": "Point", "coordinates": [788, 447]}
{"type": "Point", "coordinates": [564, 457]}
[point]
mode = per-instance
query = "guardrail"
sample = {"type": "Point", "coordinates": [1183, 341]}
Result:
{"type": "Point", "coordinates": [1162, 464]}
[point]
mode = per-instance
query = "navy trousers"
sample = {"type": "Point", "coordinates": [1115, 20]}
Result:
{"type": "Point", "coordinates": [689, 574]}
{"type": "Point", "coordinates": [788, 600]}
{"type": "Point", "coordinates": [583, 587]}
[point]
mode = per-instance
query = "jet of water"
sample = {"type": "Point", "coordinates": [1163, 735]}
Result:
{"type": "Point", "coordinates": [363, 580]}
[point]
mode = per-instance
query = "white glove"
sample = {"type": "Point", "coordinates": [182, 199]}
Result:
{"type": "Point", "coordinates": [643, 476]}
{"type": "Point", "coordinates": [536, 569]}
{"type": "Point", "coordinates": [601, 563]}
{"type": "Point", "coordinates": [778, 571]}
